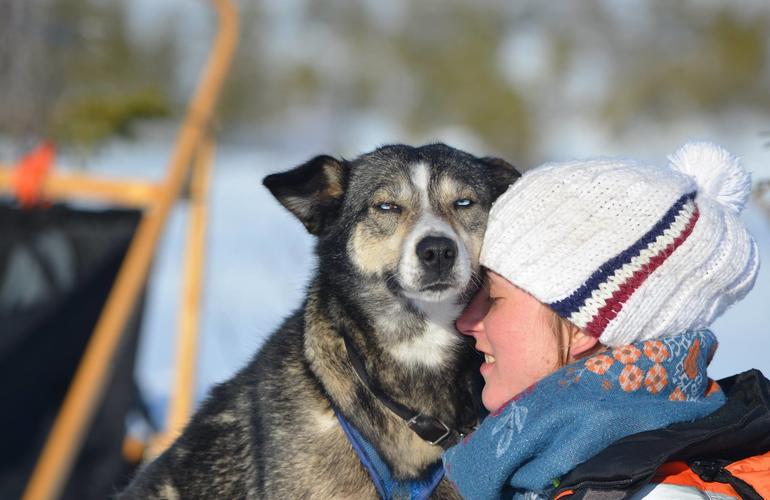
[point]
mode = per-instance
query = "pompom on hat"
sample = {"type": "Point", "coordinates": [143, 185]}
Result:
{"type": "Point", "coordinates": [628, 251]}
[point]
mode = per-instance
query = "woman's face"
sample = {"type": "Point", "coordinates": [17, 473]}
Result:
{"type": "Point", "coordinates": [513, 331]}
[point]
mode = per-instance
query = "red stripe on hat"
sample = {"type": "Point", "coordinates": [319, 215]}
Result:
{"type": "Point", "coordinates": [615, 303]}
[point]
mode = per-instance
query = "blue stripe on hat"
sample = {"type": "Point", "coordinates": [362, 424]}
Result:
{"type": "Point", "coordinates": [575, 301]}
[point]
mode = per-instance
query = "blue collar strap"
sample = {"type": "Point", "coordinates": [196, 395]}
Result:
{"type": "Point", "coordinates": [387, 486]}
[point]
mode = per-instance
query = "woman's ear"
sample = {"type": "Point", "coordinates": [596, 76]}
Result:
{"type": "Point", "coordinates": [582, 344]}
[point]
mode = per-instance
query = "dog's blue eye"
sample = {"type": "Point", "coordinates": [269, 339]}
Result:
{"type": "Point", "coordinates": [388, 207]}
{"type": "Point", "coordinates": [463, 203]}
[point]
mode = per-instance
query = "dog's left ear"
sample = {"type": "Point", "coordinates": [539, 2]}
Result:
{"type": "Point", "coordinates": [312, 192]}
{"type": "Point", "coordinates": [503, 174]}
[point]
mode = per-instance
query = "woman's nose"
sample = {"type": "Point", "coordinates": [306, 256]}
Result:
{"type": "Point", "coordinates": [471, 321]}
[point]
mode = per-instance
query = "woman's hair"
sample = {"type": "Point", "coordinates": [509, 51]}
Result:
{"type": "Point", "coordinates": [564, 330]}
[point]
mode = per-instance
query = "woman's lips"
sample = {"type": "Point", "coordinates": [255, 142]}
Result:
{"type": "Point", "coordinates": [486, 366]}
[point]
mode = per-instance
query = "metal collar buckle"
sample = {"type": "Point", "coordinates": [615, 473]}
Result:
{"type": "Point", "coordinates": [430, 425]}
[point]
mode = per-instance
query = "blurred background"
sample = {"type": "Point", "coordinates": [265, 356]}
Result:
{"type": "Point", "coordinates": [108, 80]}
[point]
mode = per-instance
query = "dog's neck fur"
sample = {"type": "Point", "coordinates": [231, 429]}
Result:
{"type": "Point", "coordinates": [447, 383]}
{"type": "Point", "coordinates": [419, 336]}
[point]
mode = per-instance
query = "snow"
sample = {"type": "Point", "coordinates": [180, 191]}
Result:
{"type": "Point", "coordinates": [260, 258]}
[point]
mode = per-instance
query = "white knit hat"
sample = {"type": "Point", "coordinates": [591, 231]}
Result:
{"type": "Point", "coordinates": [628, 251]}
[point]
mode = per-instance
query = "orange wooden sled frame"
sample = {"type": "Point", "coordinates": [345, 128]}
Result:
{"type": "Point", "coordinates": [192, 153]}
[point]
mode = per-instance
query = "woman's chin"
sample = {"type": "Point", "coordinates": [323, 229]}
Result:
{"type": "Point", "coordinates": [489, 399]}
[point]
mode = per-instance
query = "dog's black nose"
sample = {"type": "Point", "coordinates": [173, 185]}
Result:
{"type": "Point", "coordinates": [437, 253]}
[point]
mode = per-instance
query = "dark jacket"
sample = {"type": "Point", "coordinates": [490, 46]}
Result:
{"type": "Point", "coordinates": [739, 429]}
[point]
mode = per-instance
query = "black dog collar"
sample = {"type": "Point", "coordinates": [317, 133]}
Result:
{"type": "Point", "coordinates": [430, 429]}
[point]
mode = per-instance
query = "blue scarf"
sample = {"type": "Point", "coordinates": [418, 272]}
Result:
{"type": "Point", "coordinates": [574, 413]}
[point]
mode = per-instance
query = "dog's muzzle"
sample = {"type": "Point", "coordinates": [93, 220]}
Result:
{"type": "Point", "coordinates": [436, 255]}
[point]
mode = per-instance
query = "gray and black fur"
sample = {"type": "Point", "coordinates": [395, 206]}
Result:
{"type": "Point", "coordinates": [399, 232]}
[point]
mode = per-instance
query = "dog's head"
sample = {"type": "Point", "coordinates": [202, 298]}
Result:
{"type": "Point", "coordinates": [412, 218]}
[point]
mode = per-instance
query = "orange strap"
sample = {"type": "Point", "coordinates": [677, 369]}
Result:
{"type": "Point", "coordinates": [31, 172]}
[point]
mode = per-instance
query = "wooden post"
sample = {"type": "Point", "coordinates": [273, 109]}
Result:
{"type": "Point", "coordinates": [183, 393]}
{"type": "Point", "coordinates": [86, 390]}
{"type": "Point", "coordinates": [64, 186]}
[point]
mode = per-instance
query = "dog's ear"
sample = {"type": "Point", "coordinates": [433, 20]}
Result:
{"type": "Point", "coordinates": [312, 192]}
{"type": "Point", "coordinates": [502, 173]}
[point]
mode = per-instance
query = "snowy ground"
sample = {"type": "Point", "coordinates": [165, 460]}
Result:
{"type": "Point", "coordinates": [260, 258]}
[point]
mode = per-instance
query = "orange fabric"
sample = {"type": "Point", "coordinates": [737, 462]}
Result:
{"type": "Point", "coordinates": [30, 173]}
{"type": "Point", "coordinates": [753, 470]}
{"type": "Point", "coordinates": [712, 388]}
{"type": "Point", "coordinates": [678, 473]}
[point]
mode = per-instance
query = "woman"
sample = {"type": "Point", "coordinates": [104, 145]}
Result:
{"type": "Point", "coordinates": [602, 277]}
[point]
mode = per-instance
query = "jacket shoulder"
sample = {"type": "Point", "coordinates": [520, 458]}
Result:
{"type": "Point", "coordinates": [735, 438]}
{"type": "Point", "coordinates": [745, 478]}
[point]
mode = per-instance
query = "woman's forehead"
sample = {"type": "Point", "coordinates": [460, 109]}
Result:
{"type": "Point", "coordinates": [500, 283]}
{"type": "Point", "coordinates": [495, 279]}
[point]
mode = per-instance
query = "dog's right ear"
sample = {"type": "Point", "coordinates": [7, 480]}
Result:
{"type": "Point", "coordinates": [502, 173]}
{"type": "Point", "coordinates": [312, 192]}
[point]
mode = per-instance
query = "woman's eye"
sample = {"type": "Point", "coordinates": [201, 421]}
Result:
{"type": "Point", "coordinates": [388, 207]}
{"type": "Point", "coordinates": [463, 203]}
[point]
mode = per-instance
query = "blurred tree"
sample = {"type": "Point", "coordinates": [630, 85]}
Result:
{"type": "Point", "coordinates": [503, 71]}
{"type": "Point", "coordinates": [451, 49]}
{"type": "Point", "coordinates": [436, 69]}
{"type": "Point", "coordinates": [713, 62]}
{"type": "Point", "coordinates": [76, 76]}
{"type": "Point", "coordinates": [247, 93]}
{"type": "Point", "coordinates": [25, 83]}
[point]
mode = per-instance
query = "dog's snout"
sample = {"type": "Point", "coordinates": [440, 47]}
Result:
{"type": "Point", "coordinates": [437, 253]}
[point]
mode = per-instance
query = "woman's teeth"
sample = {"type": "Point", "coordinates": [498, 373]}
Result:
{"type": "Point", "coordinates": [489, 358]}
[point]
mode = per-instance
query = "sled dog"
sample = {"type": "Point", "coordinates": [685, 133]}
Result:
{"type": "Point", "coordinates": [398, 232]}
